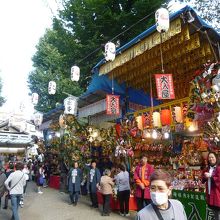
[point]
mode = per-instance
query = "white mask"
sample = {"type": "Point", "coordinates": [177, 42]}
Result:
{"type": "Point", "coordinates": [159, 198]}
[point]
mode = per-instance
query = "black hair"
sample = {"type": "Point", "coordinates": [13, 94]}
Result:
{"type": "Point", "coordinates": [19, 166]}
{"type": "Point", "coordinates": [216, 156]}
{"type": "Point", "coordinates": [121, 167]}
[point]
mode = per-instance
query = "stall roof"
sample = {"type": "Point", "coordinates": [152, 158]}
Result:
{"type": "Point", "coordinates": [11, 136]}
{"type": "Point", "coordinates": [185, 48]}
{"type": "Point", "coordinates": [152, 29]}
{"type": "Point", "coordinates": [102, 85]}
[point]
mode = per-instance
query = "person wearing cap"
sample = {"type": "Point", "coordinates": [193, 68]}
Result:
{"type": "Point", "coordinates": [9, 170]}
{"type": "Point", "coordinates": [161, 207]}
{"type": "Point", "coordinates": [2, 186]}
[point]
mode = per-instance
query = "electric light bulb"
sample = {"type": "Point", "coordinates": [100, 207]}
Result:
{"type": "Point", "coordinates": [166, 135]}
{"type": "Point", "coordinates": [154, 134]}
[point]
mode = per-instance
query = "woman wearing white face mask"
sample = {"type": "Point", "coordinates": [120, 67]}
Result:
{"type": "Point", "coordinates": [162, 208]}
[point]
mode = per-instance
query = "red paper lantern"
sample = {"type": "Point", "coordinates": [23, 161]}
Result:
{"type": "Point", "coordinates": [165, 117]}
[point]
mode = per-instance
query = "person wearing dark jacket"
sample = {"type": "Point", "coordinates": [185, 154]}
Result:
{"type": "Point", "coordinates": [2, 185]}
{"type": "Point", "coordinates": [93, 181]}
{"type": "Point", "coordinates": [74, 183]}
{"type": "Point", "coordinates": [7, 173]}
{"type": "Point", "coordinates": [211, 176]}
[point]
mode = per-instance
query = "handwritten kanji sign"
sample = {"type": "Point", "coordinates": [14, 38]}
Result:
{"type": "Point", "coordinates": [112, 105]}
{"type": "Point", "coordinates": [164, 83]}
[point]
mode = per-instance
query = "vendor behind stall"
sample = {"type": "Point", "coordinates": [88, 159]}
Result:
{"type": "Point", "coordinates": [142, 179]}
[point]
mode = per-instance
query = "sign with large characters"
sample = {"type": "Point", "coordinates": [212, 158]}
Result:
{"type": "Point", "coordinates": [164, 84]}
{"type": "Point", "coordinates": [194, 204]}
{"type": "Point", "coordinates": [112, 105]}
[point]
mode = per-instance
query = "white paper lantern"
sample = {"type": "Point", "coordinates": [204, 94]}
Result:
{"type": "Point", "coordinates": [162, 20]}
{"type": "Point", "coordinates": [178, 114]}
{"type": "Point", "coordinates": [34, 98]}
{"type": "Point", "coordinates": [38, 118]}
{"type": "Point", "coordinates": [156, 119]}
{"type": "Point", "coordinates": [70, 105]}
{"type": "Point", "coordinates": [75, 73]}
{"type": "Point", "coordinates": [52, 87]}
{"type": "Point", "coordinates": [110, 51]}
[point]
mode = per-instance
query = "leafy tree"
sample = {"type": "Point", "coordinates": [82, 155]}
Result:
{"type": "Point", "coordinates": [94, 23]}
{"type": "Point", "coordinates": [50, 65]}
{"type": "Point", "coordinates": [78, 36]}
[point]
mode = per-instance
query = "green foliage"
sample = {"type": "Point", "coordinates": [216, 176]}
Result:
{"type": "Point", "coordinates": [82, 27]}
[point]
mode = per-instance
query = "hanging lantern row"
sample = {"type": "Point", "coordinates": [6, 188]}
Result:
{"type": "Point", "coordinates": [70, 104]}
{"type": "Point", "coordinates": [162, 20]}
{"type": "Point", "coordinates": [164, 117]}
{"type": "Point", "coordinates": [52, 87]}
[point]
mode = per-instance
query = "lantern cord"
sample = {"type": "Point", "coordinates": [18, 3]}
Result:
{"type": "Point", "coordinates": [218, 50]}
{"type": "Point", "coordinates": [161, 54]}
{"type": "Point", "coordinates": [112, 83]}
{"type": "Point", "coordinates": [99, 48]}
{"type": "Point", "coordinates": [147, 16]}
{"type": "Point", "coordinates": [151, 98]}
{"type": "Point", "coordinates": [210, 43]}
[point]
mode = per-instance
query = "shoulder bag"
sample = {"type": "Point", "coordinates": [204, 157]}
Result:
{"type": "Point", "coordinates": [159, 216]}
{"type": "Point", "coordinates": [16, 183]}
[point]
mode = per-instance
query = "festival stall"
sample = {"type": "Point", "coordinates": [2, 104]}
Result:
{"type": "Point", "coordinates": [179, 64]}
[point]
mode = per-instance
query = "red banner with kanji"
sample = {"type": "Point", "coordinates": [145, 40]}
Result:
{"type": "Point", "coordinates": [112, 105]}
{"type": "Point", "coordinates": [164, 84]}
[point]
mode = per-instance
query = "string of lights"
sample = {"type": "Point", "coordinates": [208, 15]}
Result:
{"type": "Point", "coordinates": [123, 32]}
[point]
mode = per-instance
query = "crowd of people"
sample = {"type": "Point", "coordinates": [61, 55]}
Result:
{"type": "Point", "coordinates": [152, 187]}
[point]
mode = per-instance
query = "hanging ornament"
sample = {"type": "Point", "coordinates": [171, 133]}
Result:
{"type": "Point", "coordinates": [166, 117]}
{"type": "Point", "coordinates": [34, 98]}
{"type": "Point", "coordinates": [156, 120]}
{"type": "Point", "coordinates": [162, 20]}
{"type": "Point", "coordinates": [75, 73]}
{"type": "Point", "coordinates": [38, 118]}
{"type": "Point", "coordinates": [178, 114]}
{"type": "Point", "coordinates": [52, 87]}
{"type": "Point", "coordinates": [70, 104]}
{"type": "Point", "coordinates": [110, 51]}
{"type": "Point", "coordinates": [139, 121]}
